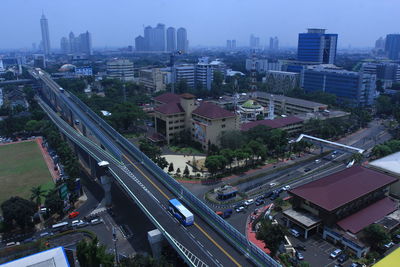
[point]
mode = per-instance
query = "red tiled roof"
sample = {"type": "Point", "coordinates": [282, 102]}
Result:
{"type": "Point", "coordinates": [212, 111]}
{"type": "Point", "coordinates": [170, 108]}
{"type": "Point", "coordinates": [187, 96]}
{"type": "Point", "coordinates": [361, 219]}
{"type": "Point", "coordinates": [167, 98]}
{"type": "Point", "coordinates": [276, 123]}
{"type": "Point", "coordinates": [335, 190]}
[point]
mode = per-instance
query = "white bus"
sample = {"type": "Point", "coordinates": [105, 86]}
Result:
{"type": "Point", "coordinates": [59, 226]}
{"type": "Point", "coordinates": [180, 212]}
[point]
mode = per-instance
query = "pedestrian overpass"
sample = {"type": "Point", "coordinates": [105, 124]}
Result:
{"type": "Point", "coordinates": [322, 142]}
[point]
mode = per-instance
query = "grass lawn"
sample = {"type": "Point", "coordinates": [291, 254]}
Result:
{"type": "Point", "coordinates": [22, 167]}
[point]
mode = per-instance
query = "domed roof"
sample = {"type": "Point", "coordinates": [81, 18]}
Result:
{"type": "Point", "coordinates": [251, 104]}
{"type": "Point", "coordinates": [67, 67]}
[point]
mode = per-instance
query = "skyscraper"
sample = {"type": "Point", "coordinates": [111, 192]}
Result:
{"type": "Point", "coordinates": [85, 43]}
{"type": "Point", "coordinates": [64, 45]}
{"type": "Point", "coordinates": [392, 46]}
{"type": "Point", "coordinates": [148, 38]}
{"type": "Point", "coordinates": [182, 42]}
{"type": "Point", "coordinates": [171, 39]}
{"type": "Point", "coordinates": [254, 41]}
{"type": "Point", "coordinates": [72, 43]}
{"type": "Point", "coordinates": [380, 44]}
{"type": "Point", "coordinates": [317, 46]}
{"type": "Point", "coordinates": [274, 43]}
{"type": "Point", "coordinates": [44, 25]}
{"type": "Point", "coordinates": [140, 43]}
{"type": "Point", "coordinates": [229, 44]}
{"type": "Point", "coordinates": [159, 37]}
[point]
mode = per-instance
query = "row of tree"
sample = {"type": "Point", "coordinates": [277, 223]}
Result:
{"type": "Point", "coordinates": [386, 148]}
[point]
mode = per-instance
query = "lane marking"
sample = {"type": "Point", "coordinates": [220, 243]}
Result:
{"type": "Point", "coordinates": [198, 226]}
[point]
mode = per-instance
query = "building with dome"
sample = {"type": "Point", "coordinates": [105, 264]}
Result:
{"type": "Point", "coordinates": [250, 109]}
{"type": "Point", "coordinates": [67, 68]}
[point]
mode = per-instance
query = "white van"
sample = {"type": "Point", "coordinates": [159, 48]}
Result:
{"type": "Point", "coordinates": [294, 232]}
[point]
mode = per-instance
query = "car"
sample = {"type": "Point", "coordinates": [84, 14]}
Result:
{"type": "Point", "coordinates": [301, 247]}
{"type": "Point", "coordinates": [96, 221]}
{"type": "Point", "coordinates": [333, 156]}
{"type": "Point", "coordinates": [73, 214]}
{"type": "Point", "coordinates": [29, 239]}
{"type": "Point", "coordinates": [274, 196]}
{"type": "Point", "coordinates": [219, 213]}
{"type": "Point", "coordinates": [356, 264]}
{"type": "Point", "coordinates": [260, 202]}
{"type": "Point", "coordinates": [335, 253]}
{"type": "Point", "coordinates": [239, 209]}
{"type": "Point", "coordinates": [268, 194]}
{"type": "Point", "coordinates": [388, 245]}
{"type": "Point", "coordinates": [294, 232]}
{"type": "Point", "coordinates": [44, 234]}
{"type": "Point", "coordinates": [307, 169]}
{"type": "Point", "coordinates": [273, 185]}
{"type": "Point", "coordinates": [396, 238]}
{"type": "Point", "coordinates": [11, 244]}
{"type": "Point", "coordinates": [77, 223]}
{"type": "Point", "coordinates": [299, 256]}
{"type": "Point", "coordinates": [248, 202]}
{"type": "Point", "coordinates": [343, 257]}
{"type": "Point", "coordinates": [286, 188]}
{"type": "Point", "coordinates": [317, 161]}
{"type": "Point", "coordinates": [334, 152]}
{"type": "Point", "coordinates": [227, 213]}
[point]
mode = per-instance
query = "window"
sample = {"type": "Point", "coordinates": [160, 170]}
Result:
{"type": "Point", "coordinates": [223, 126]}
{"type": "Point", "coordinates": [223, 119]}
{"type": "Point", "coordinates": [170, 128]}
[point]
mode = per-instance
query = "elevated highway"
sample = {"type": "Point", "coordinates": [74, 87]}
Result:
{"type": "Point", "coordinates": [210, 242]}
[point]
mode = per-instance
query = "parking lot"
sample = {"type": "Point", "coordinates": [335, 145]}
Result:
{"type": "Point", "coordinates": [317, 251]}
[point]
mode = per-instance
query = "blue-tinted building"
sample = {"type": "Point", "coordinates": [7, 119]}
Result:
{"type": "Point", "coordinates": [353, 88]}
{"type": "Point", "coordinates": [392, 46]}
{"type": "Point", "coordinates": [317, 46]}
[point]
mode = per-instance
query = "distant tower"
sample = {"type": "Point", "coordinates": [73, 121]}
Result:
{"type": "Point", "coordinates": [44, 25]}
{"type": "Point", "coordinates": [253, 73]}
{"type": "Point", "coordinates": [182, 42]}
{"type": "Point", "coordinates": [171, 39]}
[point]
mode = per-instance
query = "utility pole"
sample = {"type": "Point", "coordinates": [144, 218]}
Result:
{"type": "Point", "coordinates": [115, 246]}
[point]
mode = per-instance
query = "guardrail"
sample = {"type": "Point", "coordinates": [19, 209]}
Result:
{"type": "Point", "coordinates": [237, 239]}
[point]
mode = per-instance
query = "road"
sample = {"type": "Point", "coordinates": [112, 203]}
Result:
{"type": "Point", "coordinates": [201, 239]}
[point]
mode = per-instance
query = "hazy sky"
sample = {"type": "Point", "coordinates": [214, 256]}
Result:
{"type": "Point", "coordinates": [209, 22]}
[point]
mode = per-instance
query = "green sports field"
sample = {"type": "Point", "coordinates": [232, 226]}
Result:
{"type": "Point", "coordinates": [22, 167]}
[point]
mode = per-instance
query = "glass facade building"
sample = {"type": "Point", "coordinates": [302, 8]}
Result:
{"type": "Point", "coordinates": [353, 88]}
{"type": "Point", "coordinates": [317, 46]}
{"type": "Point", "coordinates": [392, 46]}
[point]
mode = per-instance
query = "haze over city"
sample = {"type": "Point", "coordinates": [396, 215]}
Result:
{"type": "Point", "coordinates": [209, 23]}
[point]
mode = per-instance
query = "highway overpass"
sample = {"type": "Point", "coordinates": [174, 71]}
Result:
{"type": "Point", "coordinates": [210, 241]}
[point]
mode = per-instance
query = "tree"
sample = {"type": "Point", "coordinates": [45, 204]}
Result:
{"type": "Point", "coordinates": [126, 116]}
{"type": "Point", "coordinates": [229, 155]}
{"type": "Point", "coordinates": [272, 235]}
{"type": "Point", "coordinates": [91, 253]}
{"type": "Point", "coordinates": [171, 167]}
{"type": "Point", "coordinates": [161, 162]}
{"type": "Point", "coordinates": [54, 203]}
{"type": "Point", "coordinates": [232, 140]}
{"type": "Point", "coordinates": [178, 172]}
{"type": "Point", "coordinates": [37, 193]}
{"type": "Point", "coordinates": [376, 236]}
{"type": "Point", "coordinates": [19, 211]}
{"type": "Point", "coordinates": [357, 157]}
{"type": "Point", "coordinates": [186, 172]}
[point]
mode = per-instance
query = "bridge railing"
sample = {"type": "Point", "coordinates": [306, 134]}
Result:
{"type": "Point", "coordinates": [237, 239]}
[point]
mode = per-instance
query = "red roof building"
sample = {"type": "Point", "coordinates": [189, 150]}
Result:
{"type": "Point", "coordinates": [291, 124]}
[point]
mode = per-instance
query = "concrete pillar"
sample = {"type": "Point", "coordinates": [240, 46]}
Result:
{"type": "Point", "coordinates": [105, 181]}
{"type": "Point", "coordinates": [306, 234]}
{"type": "Point", "coordinates": [155, 239]}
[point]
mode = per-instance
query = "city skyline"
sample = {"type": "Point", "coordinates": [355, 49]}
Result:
{"type": "Point", "coordinates": [122, 29]}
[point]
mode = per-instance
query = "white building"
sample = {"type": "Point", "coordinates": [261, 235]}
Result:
{"type": "Point", "coordinates": [281, 82]}
{"type": "Point", "coordinates": [185, 72]}
{"type": "Point", "coordinates": [120, 69]}
{"type": "Point", "coordinates": [263, 65]}
{"type": "Point", "coordinates": [205, 71]}
{"type": "Point", "coordinates": [154, 80]}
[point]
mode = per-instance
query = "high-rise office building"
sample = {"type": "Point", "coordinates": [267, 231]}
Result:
{"type": "Point", "coordinates": [354, 88]}
{"type": "Point", "coordinates": [233, 44]}
{"type": "Point", "coordinates": [44, 26]}
{"type": "Point", "coordinates": [85, 43]}
{"type": "Point", "coordinates": [140, 43]}
{"type": "Point", "coordinates": [64, 45]}
{"type": "Point", "coordinates": [254, 41]}
{"type": "Point", "coordinates": [273, 43]}
{"type": "Point", "coordinates": [149, 38]}
{"type": "Point", "coordinates": [380, 44]}
{"type": "Point", "coordinates": [171, 39]}
{"type": "Point", "coordinates": [230, 44]}
{"type": "Point", "coordinates": [392, 46]}
{"type": "Point", "coordinates": [159, 37]}
{"type": "Point", "coordinates": [121, 69]}
{"type": "Point", "coordinates": [182, 41]}
{"type": "Point", "coordinates": [317, 46]}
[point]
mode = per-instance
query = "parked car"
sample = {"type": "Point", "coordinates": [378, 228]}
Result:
{"type": "Point", "coordinates": [343, 257]}
{"type": "Point", "coordinates": [294, 232]}
{"type": "Point", "coordinates": [286, 188]}
{"type": "Point", "coordinates": [388, 245]}
{"type": "Point", "coordinates": [274, 196]}
{"type": "Point", "coordinates": [248, 202]}
{"type": "Point", "coordinates": [239, 209]}
{"type": "Point", "coordinates": [299, 256]}
{"type": "Point", "coordinates": [335, 253]}
{"type": "Point", "coordinates": [307, 169]}
{"type": "Point", "coordinates": [260, 202]}
{"type": "Point", "coordinates": [73, 214]}
{"type": "Point", "coordinates": [96, 221]}
{"type": "Point", "coordinates": [356, 264]}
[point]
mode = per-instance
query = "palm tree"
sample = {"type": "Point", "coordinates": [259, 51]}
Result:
{"type": "Point", "coordinates": [37, 194]}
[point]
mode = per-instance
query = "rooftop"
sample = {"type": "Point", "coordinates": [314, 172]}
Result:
{"type": "Point", "coordinates": [276, 123]}
{"type": "Point", "coordinates": [50, 258]}
{"type": "Point", "coordinates": [305, 218]}
{"type": "Point", "coordinates": [373, 213]}
{"type": "Point", "coordinates": [212, 111]}
{"type": "Point", "coordinates": [390, 260]}
{"type": "Point", "coordinates": [291, 100]}
{"type": "Point", "coordinates": [167, 98]}
{"type": "Point", "coordinates": [170, 108]}
{"type": "Point", "coordinates": [389, 163]}
{"type": "Point", "coordinates": [350, 184]}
